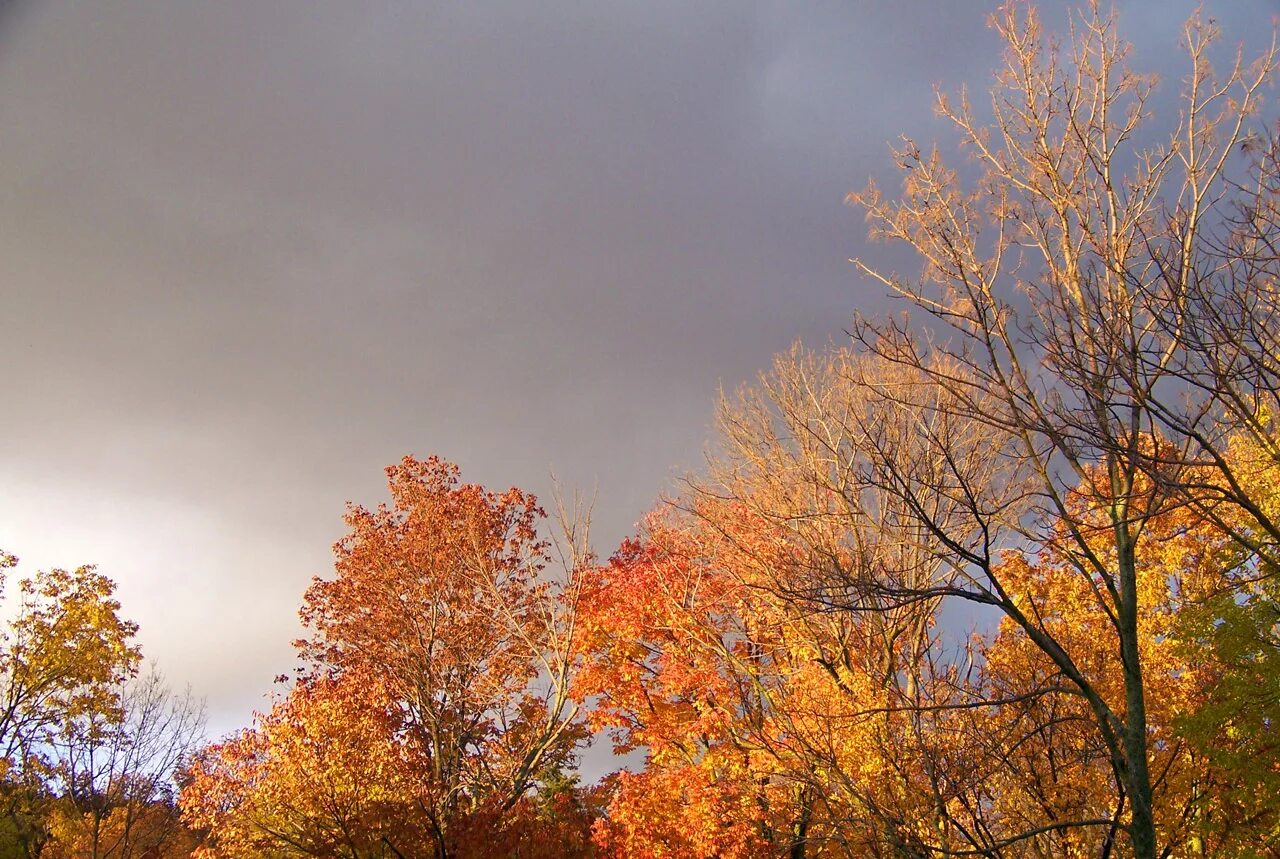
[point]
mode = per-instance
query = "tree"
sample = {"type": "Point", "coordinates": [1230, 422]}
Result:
{"type": "Point", "coordinates": [323, 774]}
{"type": "Point", "coordinates": [773, 720]}
{"type": "Point", "coordinates": [434, 692]}
{"type": "Point", "coordinates": [1233, 636]}
{"type": "Point", "coordinates": [113, 774]}
{"type": "Point", "coordinates": [1064, 290]}
{"type": "Point", "coordinates": [62, 658]}
{"type": "Point", "coordinates": [666, 638]}
{"type": "Point", "coordinates": [1047, 761]}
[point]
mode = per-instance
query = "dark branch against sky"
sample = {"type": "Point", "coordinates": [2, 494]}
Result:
{"type": "Point", "coordinates": [251, 253]}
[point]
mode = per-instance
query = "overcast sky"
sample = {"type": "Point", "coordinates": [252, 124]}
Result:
{"type": "Point", "coordinates": [252, 252]}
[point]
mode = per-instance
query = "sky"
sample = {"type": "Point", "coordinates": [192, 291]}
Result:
{"type": "Point", "coordinates": [251, 253]}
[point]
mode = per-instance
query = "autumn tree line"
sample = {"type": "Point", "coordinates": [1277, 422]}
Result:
{"type": "Point", "coordinates": [996, 577]}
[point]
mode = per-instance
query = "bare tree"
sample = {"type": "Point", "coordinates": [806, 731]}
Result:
{"type": "Point", "coordinates": [116, 776]}
{"type": "Point", "coordinates": [1083, 306]}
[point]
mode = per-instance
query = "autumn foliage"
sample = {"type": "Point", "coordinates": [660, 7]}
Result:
{"type": "Point", "coordinates": [432, 714]}
{"type": "Point", "coordinates": [998, 577]}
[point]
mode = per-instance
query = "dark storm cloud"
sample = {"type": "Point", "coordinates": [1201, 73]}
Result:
{"type": "Point", "coordinates": [253, 252]}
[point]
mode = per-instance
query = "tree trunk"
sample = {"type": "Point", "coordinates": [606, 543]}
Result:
{"type": "Point", "coordinates": [1137, 776]}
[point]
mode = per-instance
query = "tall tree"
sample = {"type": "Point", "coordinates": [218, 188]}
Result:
{"type": "Point", "coordinates": [447, 616]}
{"type": "Point", "coordinates": [1068, 279]}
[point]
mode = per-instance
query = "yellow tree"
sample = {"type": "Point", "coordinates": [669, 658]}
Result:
{"type": "Point", "coordinates": [63, 656]}
{"type": "Point", "coordinates": [324, 774]}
